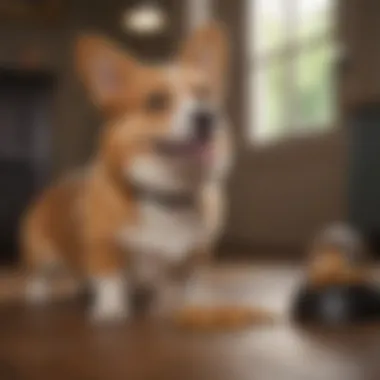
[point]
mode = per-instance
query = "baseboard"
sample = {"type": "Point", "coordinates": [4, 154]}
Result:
{"type": "Point", "coordinates": [240, 249]}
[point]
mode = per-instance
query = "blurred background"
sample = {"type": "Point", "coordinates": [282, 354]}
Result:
{"type": "Point", "coordinates": [304, 100]}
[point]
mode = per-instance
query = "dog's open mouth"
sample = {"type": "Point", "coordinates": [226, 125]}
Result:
{"type": "Point", "coordinates": [184, 148]}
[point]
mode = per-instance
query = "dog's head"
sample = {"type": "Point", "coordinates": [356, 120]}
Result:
{"type": "Point", "coordinates": [165, 125]}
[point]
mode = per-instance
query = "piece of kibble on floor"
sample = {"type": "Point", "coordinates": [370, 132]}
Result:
{"type": "Point", "coordinates": [222, 318]}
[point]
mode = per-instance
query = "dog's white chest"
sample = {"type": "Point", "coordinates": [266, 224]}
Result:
{"type": "Point", "coordinates": [171, 233]}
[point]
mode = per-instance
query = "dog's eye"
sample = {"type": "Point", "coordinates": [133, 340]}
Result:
{"type": "Point", "coordinates": [157, 102]}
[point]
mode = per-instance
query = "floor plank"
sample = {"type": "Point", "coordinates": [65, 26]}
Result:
{"type": "Point", "coordinates": [57, 342]}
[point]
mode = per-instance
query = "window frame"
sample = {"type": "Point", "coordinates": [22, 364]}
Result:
{"type": "Point", "coordinates": [287, 52]}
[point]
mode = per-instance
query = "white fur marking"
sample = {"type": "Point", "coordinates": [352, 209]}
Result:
{"type": "Point", "coordinates": [181, 124]}
{"type": "Point", "coordinates": [150, 171]}
{"type": "Point", "coordinates": [110, 302]}
{"type": "Point", "coordinates": [37, 290]}
{"type": "Point", "coordinates": [169, 233]}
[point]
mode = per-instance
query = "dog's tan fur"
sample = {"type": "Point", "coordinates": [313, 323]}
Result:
{"type": "Point", "coordinates": [75, 221]}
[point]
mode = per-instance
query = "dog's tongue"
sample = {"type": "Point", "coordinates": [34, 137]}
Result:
{"type": "Point", "coordinates": [195, 149]}
{"type": "Point", "coordinates": [203, 151]}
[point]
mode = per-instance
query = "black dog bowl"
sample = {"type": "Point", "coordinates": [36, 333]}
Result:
{"type": "Point", "coordinates": [337, 304]}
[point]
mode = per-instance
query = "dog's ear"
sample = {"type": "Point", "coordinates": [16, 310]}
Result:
{"type": "Point", "coordinates": [104, 68]}
{"type": "Point", "coordinates": [207, 50]}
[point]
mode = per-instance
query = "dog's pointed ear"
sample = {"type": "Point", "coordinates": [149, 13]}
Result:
{"type": "Point", "coordinates": [207, 50]}
{"type": "Point", "coordinates": [104, 68]}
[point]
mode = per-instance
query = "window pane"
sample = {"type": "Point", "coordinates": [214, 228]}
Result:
{"type": "Point", "coordinates": [314, 17]}
{"type": "Point", "coordinates": [268, 111]}
{"type": "Point", "coordinates": [315, 87]}
{"type": "Point", "coordinates": [269, 24]}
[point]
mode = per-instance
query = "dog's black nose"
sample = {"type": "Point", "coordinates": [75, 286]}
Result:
{"type": "Point", "coordinates": [203, 124]}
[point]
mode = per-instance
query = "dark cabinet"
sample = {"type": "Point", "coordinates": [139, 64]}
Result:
{"type": "Point", "coordinates": [364, 188]}
{"type": "Point", "coordinates": [25, 130]}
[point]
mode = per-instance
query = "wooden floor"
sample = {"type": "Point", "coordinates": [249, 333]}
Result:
{"type": "Point", "coordinates": [57, 342]}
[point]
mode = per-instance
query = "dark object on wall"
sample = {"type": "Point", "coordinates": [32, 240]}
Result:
{"type": "Point", "coordinates": [337, 304]}
{"type": "Point", "coordinates": [364, 186]}
{"type": "Point", "coordinates": [25, 105]}
{"type": "Point", "coordinates": [16, 187]}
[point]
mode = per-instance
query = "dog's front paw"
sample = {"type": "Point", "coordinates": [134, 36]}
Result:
{"type": "Point", "coordinates": [37, 291]}
{"type": "Point", "coordinates": [110, 304]}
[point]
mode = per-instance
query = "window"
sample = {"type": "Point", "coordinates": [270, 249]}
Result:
{"type": "Point", "coordinates": [291, 56]}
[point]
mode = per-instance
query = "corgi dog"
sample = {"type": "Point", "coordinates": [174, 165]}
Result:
{"type": "Point", "coordinates": [149, 207]}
